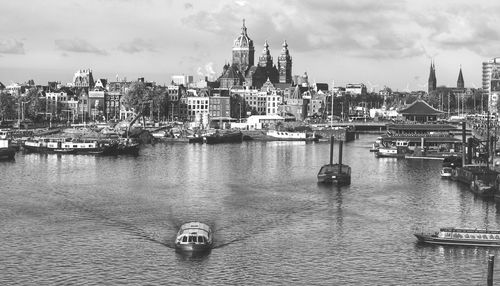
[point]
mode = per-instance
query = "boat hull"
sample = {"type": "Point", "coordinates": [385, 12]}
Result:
{"type": "Point", "coordinates": [457, 242]}
{"type": "Point", "coordinates": [193, 247]}
{"type": "Point", "coordinates": [7, 154]}
{"type": "Point", "coordinates": [340, 180]}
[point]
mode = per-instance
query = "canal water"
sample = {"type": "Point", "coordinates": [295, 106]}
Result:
{"type": "Point", "coordinates": [73, 220]}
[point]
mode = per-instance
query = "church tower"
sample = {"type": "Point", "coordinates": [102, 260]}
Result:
{"type": "Point", "coordinates": [432, 78]}
{"type": "Point", "coordinates": [460, 80]}
{"type": "Point", "coordinates": [265, 60]}
{"type": "Point", "coordinates": [285, 65]}
{"type": "Point", "coordinates": [243, 51]}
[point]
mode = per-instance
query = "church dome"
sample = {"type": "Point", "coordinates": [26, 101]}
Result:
{"type": "Point", "coordinates": [243, 41]}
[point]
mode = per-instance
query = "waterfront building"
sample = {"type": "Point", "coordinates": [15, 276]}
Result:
{"type": "Point", "coordinates": [56, 103]}
{"type": "Point", "coordinates": [420, 111]}
{"type": "Point", "coordinates": [494, 93]}
{"type": "Point", "coordinates": [242, 71]}
{"type": "Point", "coordinates": [112, 103]}
{"type": "Point", "coordinates": [432, 82]}
{"type": "Point", "coordinates": [219, 109]}
{"type": "Point", "coordinates": [96, 107]}
{"type": "Point", "coordinates": [263, 121]}
{"type": "Point", "coordinates": [198, 110]}
{"type": "Point", "coordinates": [487, 68]}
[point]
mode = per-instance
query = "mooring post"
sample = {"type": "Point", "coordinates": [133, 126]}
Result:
{"type": "Point", "coordinates": [331, 149]}
{"type": "Point", "coordinates": [491, 262]}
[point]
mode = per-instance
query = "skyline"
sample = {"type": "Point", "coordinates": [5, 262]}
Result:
{"type": "Point", "coordinates": [379, 44]}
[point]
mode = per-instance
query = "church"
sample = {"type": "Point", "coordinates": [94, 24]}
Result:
{"type": "Point", "coordinates": [243, 72]}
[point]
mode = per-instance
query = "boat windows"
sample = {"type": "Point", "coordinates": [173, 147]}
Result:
{"type": "Point", "coordinates": [192, 239]}
{"type": "Point", "coordinates": [466, 236]}
{"type": "Point", "coordinates": [184, 239]}
{"type": "Point", "coordinates": [201, 239]}
{"type": "Point", "coordinates": [485, 236]}
{"type": "Point", "coordinates": [492, 236]}
{"type": "Point", "coordinates": [497, 237]}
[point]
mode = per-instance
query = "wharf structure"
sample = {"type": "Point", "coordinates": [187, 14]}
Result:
{"type": "Point", "coordinates": [422, 130]}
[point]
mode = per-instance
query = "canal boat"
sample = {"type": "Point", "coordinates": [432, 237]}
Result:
{"type": "Point", "coordinates": [461, 236]}
{"type": "Point", "coordinates": [446, 172]}
{"type": "Point", "coordinates": [338, 174]}
{"type": "Point", "coordinates": [67, 146]}
{"type": "Point", "coordinates": [224, 137]}
{"type": "Point", "coordinates": [399, 150]}
{"type": "Point", "coordinates": [194, 237]}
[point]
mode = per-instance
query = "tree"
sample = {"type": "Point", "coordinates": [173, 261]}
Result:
{"type": "Point", "coordinates": [6, 106]}
{"type": "Point", "coordinates": [35, 105]}
{"type": "Point", "coordinates": [138, 98]}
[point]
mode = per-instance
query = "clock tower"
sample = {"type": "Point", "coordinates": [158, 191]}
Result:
{"type": "Point", "coordinates": [285, 65]}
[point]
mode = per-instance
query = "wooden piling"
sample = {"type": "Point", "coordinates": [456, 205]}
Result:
{"type": "Point", "coordinates": [491, 262]}
{"type": "Point", "coordinates": [331, 149]}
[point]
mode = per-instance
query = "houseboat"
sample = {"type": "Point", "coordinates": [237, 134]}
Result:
{"type": "Point", "coordinates": [461, 236]}
{"type": "Point", "coordinates": [338, 174]}
{"type": "Point", "coordinates": [398, 150]}
{"type": "Point", "coordinates": [435, 137]}
{"type": "Point", "coordinates": [67, 146]}
{"type": "Point", "coordinates": [194, 237]}
{"type": "Point", "coordinates": [224, 137]}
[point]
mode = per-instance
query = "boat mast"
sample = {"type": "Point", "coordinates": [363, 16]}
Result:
{"type": "Point", "coordinates": [331, 111]}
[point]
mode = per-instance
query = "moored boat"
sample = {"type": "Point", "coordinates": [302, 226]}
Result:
{"type": "Point", "coordinates": [461, 236]}
{"type": "Point", "coordinates": [225, 137]}
{"type": "Point", "coordinates": [289, 136]}
{"type": "Point", "coordinates": [66, 146]}
{"type": "Point", "coordinates": [194, 237]}
{"type": "Point", "coordinates": [446, 172]}
{"type": "Point", "coordinates": [7, 152]}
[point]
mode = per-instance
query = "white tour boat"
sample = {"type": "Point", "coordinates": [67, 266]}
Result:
{"type": "Point", "coordinates": [462, 236]}
{"type": "Point", "coordinates": [194, 236]}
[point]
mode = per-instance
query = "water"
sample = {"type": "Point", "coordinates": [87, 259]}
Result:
{"type": "Point", "coordinates": [67, 219]}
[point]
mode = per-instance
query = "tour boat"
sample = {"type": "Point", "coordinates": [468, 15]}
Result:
{"type": "Point", "coordinates": [398, 151]}
{"type": "Point", "coordinates": [194, 236]}
{"type": "Point", "coordinates": [274, 135]}
{"type": "Point", "coordinates": [461, 236]}
{"type": "Point", "coordinates": [446, 172]}
{"type": "Point", "coordinates": [339, 174]}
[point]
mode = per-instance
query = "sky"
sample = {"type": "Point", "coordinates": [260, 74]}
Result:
{"type": "Point", "coordinates": [378, 43]}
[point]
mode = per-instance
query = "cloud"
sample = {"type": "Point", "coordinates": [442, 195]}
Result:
{"type": "Point", "coordinates": [137, 45]}
{"type": "Point", "coordinates": [78, 46]}
{"type": "Point", "coordinates": [188, 6]}
{"type": "Point", "coordinates": [11, 46]}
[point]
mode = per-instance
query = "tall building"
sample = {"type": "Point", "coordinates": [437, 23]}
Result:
{"type": "Point", "coordinates": [285, 65]}
{"type": "Point", "coordinates": [460, 80]}
{"type": "Point", "coordinates": [83, 78]}
{"type": "Point", "coordinates": [242, 71]}
{"type": "Point", "coordinates": [432, 78]}
{"type": "Point", "coordinates": [243, 51]}
{"type": "Point", "coordinates": [488, 67]}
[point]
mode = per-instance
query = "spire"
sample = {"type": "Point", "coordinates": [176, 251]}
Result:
{"type": "Point", "coordinates": [243, 28]}
{"type": "Point", "coordinates": [460, 81]}
{"type": "Point", "coordinates": [432, 78]}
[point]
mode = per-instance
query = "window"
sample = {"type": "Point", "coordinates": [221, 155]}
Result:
{"type": "Point", "coordinates": [201, 239]}
{"type": "Point", "coordinates": [184, 239]}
